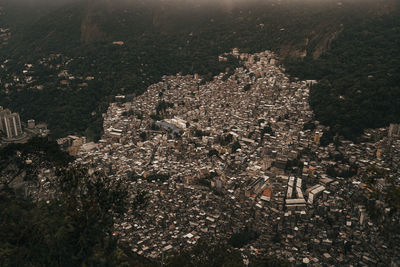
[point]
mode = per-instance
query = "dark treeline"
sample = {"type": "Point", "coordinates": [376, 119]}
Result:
{"type": "Point", "coordinates": [359, 77]}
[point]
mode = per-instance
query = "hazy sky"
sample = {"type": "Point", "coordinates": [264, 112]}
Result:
{"type": "Point", "coordinates": [224, 3]}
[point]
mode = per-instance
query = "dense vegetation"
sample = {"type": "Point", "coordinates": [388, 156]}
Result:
{"type": "Point", "coordinates": [359, 77]}
{"type": "Point", "coordinates": [242, 238]}
{"type": "Point", "coordinates": [159, 39]}
{"type": "Point", "coordinates": [71, 230]}
{"type": "Point", "coordinates": [206, 255]}
{"type": "Point", "coordinates": [37, 148]}
{"type": "Point", "coordinates": [26, 160]}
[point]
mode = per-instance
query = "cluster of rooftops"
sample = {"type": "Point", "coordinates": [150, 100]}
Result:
{"type": "Point", "coordinates": [233, 154]}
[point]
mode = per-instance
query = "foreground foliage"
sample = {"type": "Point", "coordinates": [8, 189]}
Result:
{"type": "Point", "coordinates": [219, 255]}
{"type": "Point", "coordinates": [73, 229]}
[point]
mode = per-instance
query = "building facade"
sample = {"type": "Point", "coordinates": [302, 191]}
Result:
{"type": "Point", "coordinates": [10, 124]}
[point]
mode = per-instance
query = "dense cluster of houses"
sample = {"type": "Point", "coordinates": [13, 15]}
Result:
{"type": "Point", "coordinates": [243, 152]}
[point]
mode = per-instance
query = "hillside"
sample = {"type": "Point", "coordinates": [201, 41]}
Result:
{"type": "Point", "coordinates": [77, 68]}
{"type": "Point", "coordinates": [359, 77]}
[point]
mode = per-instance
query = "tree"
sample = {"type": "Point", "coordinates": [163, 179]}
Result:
{"type": "Point", "coordinates": [326, 138]}
{"type": "Point", "coordinates": [213, 152]}
{"type": "Point", "coordinates": [235, 146]}
{"type": "Point", "coordinates": [219, 255]}
{"type": "Point", "coordinates": [73, 229]}
{"type": "Point", "coordinates": [242, 238]}
{"type": "Point", "coordinates": [247, 87]}
{"type": "Point", "coordinates": [268, 261]}
{"type": "Point", "coordinates": [206, 255]}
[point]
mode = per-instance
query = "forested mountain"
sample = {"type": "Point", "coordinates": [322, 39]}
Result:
{"type": "Point", "coordinates": [359, 77]}
{"type": "Point", "coordinates": [76, 67]}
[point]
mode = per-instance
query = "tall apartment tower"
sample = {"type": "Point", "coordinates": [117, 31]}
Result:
{"type": "Point", "coordinates": [10, 123]}
{"type": "Point", "coordinates": [394, 130]}
{"type": "Point", "coordinates": [3, 114]}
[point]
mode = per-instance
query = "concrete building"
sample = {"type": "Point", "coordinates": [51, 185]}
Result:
{"type": "Point", "coordinates": [394, 130]}
{"type": "Point", "coordinates": [31, 124]}
{"type": "Point", "coordinates": [10, 123]}
{"type": "Point", "coordinates": [3, 114]}
{"type": "Point", "coordinates": [13, 126]}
